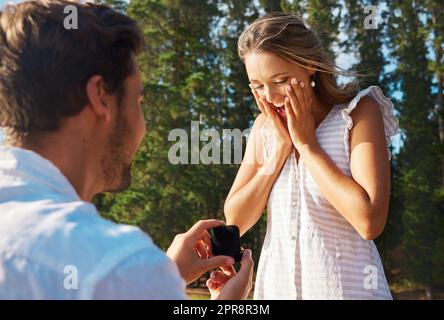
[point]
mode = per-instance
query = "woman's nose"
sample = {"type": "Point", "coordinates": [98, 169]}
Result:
{"type": "Point", "coordinates": [272, 95]}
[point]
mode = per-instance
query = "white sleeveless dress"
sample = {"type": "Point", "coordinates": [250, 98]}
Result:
{"type": "Point", "coordinates": [310, 251]}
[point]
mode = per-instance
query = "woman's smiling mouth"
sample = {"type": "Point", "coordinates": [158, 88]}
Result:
{"type": "Point", "coordinates": [281, 112]}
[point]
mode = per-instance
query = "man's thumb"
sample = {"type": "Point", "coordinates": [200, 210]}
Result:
{"type": "Point", "coordinates": [217, 261]}
{"type": "Point", "coordinates": [247, 262]}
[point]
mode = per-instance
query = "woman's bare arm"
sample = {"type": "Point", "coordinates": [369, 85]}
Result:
{"type": "Point", "coordinates": [362, 199]}
{"type": "Point", "coordinates": [249, 194]}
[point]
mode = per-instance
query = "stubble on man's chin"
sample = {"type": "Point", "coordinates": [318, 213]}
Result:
{"type": "Point", "coordinates": [116, 164]}
{"type": "Point", "coordinates": [118, 185]}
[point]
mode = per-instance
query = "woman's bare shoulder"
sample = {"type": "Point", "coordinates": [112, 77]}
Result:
{"type": "Point", "coordinates": [259, 121]}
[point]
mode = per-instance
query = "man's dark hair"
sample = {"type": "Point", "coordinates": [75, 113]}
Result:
{"type": "Point", "coordinates": [44, 68]}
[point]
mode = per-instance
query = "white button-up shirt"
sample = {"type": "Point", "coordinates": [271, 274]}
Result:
{"type": "Point", "coordinates": [53, 245]}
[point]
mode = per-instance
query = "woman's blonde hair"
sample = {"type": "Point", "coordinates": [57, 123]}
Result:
{"type": "Point", "coordinates": [286, 36]}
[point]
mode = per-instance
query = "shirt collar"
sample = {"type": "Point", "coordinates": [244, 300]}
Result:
{"type": "Point", "coordinates": [29, 166]}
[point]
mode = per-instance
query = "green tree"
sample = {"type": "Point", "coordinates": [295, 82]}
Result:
{"type": "Point", "coordinates": [435, 29]}
{"type": "Point", "coordinates": [366, 43]}
{"type": "Point", "coordinates": [417, 159]}
{"type": "Point", "coordinates": [324, 16]}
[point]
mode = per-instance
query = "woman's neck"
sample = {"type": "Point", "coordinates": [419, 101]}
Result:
{"type": "Point", "coordinates": [320, 111]}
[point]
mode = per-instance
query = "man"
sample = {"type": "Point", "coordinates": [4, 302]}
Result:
{"type": "Point", "coordinates": [70, 107]}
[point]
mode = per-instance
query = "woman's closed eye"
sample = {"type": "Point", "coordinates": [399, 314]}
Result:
{"type": "Point", "coordinates": [280, 82]}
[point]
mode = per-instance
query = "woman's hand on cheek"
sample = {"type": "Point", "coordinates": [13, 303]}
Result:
{"type": "Point", "coordinates": [300, 120]}
{"type": "Point", "coordinates": [274, 133]}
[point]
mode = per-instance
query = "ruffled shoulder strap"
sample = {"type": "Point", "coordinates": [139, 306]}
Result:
{"type": "Point", "coordinates": [391, 123]}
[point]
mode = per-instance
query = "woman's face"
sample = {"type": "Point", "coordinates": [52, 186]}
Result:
{"type": "Point", "coordinates": [270, 74]}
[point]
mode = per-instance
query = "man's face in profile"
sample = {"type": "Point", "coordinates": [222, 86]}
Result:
{"type": "Point", "coordinates": [126, 135]}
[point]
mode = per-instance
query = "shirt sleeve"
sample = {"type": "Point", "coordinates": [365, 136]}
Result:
{"type": "Point", "coordinates": [142, 276]}
{"type": "Point", "coordinates": [391, 122]}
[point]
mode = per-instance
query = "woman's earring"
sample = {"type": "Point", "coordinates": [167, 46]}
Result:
{"type": "Point", "coordinates": [313, 84]}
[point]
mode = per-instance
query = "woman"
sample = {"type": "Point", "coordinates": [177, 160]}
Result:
{"type": "Point", "coordinates": [317, 158]}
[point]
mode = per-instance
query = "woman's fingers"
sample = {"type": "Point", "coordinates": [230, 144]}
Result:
{"type": "Point", "coordinates": [309, 99]}
{"type": "Point", "coordinates": [305, 102]}
{"type": "Point", "coordinates": [297, 92]}
{"type": "Point", "coordinates": [256, 97]}
{"type": "Point", "coordinates": [290, 114]}
{"type": "Point", "coordinates": [271, 113]}
{"type": "Point", "coordinates": [219, 277]}
{"type": "Point", "coordinates": [229, 271]}
{"type": "Point", "coordinates": [211, 285]}
{"type": "Point", "coordinates": [293, 101]}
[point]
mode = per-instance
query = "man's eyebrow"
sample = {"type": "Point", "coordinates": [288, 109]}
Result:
{"type": "Point", "coordinates": [273, 76]}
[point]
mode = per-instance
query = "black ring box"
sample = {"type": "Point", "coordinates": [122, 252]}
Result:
{"type": "Point", "coordinates": [225, 240]}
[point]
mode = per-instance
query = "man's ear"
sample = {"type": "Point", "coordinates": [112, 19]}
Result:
{"type": "Point", "coordinates": [98, 97]}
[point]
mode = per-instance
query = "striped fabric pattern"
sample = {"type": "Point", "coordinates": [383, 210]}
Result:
{"type": "Point", "coordinates": [310, 251]}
